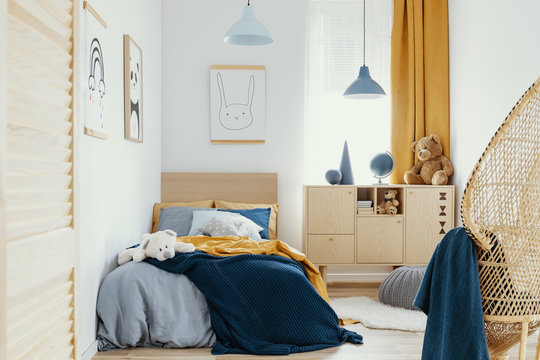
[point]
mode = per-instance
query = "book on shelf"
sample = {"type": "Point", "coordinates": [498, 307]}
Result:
{"type": "Point", "coordinates": [364, 204]}
{"type": "Point", "coordinates": [364, 211]}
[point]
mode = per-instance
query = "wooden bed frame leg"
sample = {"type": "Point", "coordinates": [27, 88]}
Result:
{"type": "Point", "coordinates": [523, 342]}
{"type": "Point", "coordinates": [324, 272]}
{"type": "Point", "coordinates": [538, 348]}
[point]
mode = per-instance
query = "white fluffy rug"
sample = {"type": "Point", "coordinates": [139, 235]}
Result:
{"type": "Point", "coordinates": [374, 314]}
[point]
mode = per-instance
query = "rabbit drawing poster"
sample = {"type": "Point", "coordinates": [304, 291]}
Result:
{"type": "Point", "coordinates": [237, 104]}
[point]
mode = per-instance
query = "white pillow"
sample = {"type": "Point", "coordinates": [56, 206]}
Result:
{"type": "Point", "coordinates": [246, 227]}
{"type": "Point", "coordinates": [232, 226]}
{"type": "Point", "coordinates": [201, 218]}
{"type": "Point", "coordinates": [220, 227]}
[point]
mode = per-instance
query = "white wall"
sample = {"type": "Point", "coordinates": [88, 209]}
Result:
{"type": "Point", "coordinates": [119, 179]}
{"type": "Point", "coordinates": [494, 58]}
{"type": "Point", "coordinates": [192, 33]}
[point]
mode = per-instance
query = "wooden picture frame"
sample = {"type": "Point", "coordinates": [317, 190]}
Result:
{"type": "Point", "coordinates": [237, 104]}
{"type": "Point", "coordinates": [133, 90]}
{"type": "Point", "coordinates": [95, 101]}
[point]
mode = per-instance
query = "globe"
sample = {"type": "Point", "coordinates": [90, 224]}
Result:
{"type": "Point", "coordinates": [382, 165]}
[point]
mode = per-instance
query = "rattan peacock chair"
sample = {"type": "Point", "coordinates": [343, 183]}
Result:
{"type": "Point", "coordinates": [500, 210]}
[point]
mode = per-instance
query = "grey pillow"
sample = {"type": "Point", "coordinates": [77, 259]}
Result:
{"type": "Point", "coordinates": [178, 218]}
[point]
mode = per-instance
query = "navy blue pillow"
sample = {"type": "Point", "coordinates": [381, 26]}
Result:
{"type": "Point", "coordinates": [260, 216]}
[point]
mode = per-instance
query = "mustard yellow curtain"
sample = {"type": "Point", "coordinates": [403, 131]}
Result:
{"type": "Point", "coordinates": [418, 78]}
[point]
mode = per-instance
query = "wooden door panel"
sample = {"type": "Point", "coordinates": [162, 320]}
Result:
{"type": "Point", "coordinates": [379, 239]}
{"type": "Point", "coordinates": [429, 217]}
{"type": "Point", "coordinates": [37, 182]}
{"type": "Point", "coordinates": [331, 210]}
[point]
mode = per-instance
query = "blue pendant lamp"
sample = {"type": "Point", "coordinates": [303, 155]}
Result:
{"type": "Point", "coordinates": [364, 87]}
{"type": "Point", "coordinates": [248, 30]}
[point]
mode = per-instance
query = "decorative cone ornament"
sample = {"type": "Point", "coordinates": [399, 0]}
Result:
{"type": "Point", "coordinates": [345, 167]}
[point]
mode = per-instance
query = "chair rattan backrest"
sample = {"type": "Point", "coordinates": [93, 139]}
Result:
{"type": "Point", "coordinates": [500, 209]}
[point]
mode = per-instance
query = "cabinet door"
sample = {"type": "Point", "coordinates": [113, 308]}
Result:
{"type": "Point", "coordinates": [429, 215]}
{"type": "Point", "coordinates": [379, 239]}
{"type": "Point", "coordinates": [331, 249]}
{"type": "Point", "coordinates": [331, 210]}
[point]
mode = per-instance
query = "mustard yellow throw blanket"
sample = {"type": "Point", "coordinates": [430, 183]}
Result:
{"type": "Point", "coordinates": [236, 245]}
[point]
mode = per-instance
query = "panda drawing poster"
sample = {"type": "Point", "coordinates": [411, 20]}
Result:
{"type": "Point", "coordinates": [133, 90]}
{"type": "Point", "coordinates": [95, 81]}
{"type": "Point", "coordinates": [237, 104]}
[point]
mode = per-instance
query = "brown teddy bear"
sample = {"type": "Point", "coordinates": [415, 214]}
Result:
{"type": "Point", "coordinates": [433, 168]}
{"type": "Point", "coordinates": [389, 204]}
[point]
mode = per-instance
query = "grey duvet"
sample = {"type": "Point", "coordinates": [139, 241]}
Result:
{"type": "Point", "coordinates": [142, 305]}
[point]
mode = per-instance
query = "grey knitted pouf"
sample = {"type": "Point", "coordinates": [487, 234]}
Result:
{"type": "Point", "coordinates": [400, 287]}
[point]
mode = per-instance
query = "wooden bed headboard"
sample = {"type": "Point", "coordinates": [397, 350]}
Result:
{"type": "Point", "coordinates": [236, 187]}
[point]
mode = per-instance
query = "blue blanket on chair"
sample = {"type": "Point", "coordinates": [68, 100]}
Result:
{"type": "Point", "coordinates": [261, 304]}
{"type": "Point", "coordinates": [450, 297]}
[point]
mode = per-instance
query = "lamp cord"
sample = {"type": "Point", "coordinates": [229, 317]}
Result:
{"type": "Point", "coordinates": [248, 3]}
{"type": "Point", "coordinates": [364, 32]}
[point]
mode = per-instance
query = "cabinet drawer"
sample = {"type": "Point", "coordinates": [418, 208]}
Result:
{"type": "Point", "coordinates": [331, 210]}
{"type": "Point", "coordinates": [331, 249]}
{"type": "Point", "coordinates": [379, 239]}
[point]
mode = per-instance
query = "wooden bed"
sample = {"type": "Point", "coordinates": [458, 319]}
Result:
{"type": "Point", "coordinates": [254, 188]}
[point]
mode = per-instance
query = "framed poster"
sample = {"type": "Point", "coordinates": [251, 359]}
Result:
{"type": "Point", "coordinates": [237, 104]}
{"type": "Point", "coordinates": [94, 64]}
{"type": "Point", "coordinates": [133, 91]}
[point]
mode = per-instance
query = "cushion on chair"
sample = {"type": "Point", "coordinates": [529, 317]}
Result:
{"type": "Point", "coordinates": [400, 287]}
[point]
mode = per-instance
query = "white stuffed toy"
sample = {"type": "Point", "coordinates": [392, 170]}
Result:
{"type": "Point", "coordinates": [160, 245]}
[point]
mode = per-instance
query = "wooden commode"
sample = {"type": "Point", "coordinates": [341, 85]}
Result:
{"type": "Point", "coordinates": [336, 232]}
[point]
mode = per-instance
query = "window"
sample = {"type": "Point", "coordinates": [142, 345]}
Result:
{"type": "Point", "coordinates": [335, 54]}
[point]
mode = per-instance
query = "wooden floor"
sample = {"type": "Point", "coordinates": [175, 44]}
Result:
{"type": "Point", "coordinates": [378, 344]}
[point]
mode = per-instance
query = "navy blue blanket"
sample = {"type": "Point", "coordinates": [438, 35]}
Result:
{"type": "Point", "coordinates": [450, 297]}
{"type": "Point", "coordinates": [261, 304]}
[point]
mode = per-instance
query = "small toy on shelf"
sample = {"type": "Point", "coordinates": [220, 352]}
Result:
{"type": "Point", "coordinates": [389, 204]}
